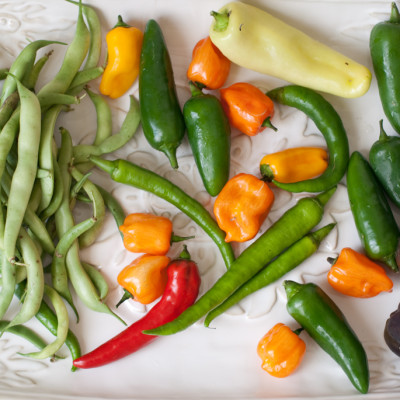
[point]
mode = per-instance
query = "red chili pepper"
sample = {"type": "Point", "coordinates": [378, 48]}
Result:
{"type": "Point", "coordinates": [181, 292]}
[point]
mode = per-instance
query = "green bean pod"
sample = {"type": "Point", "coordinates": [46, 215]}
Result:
{"type": "Point", "coordinates": [292, 226]}
{"type": "Point", "coordinates": [384, 157]}
{"type": "Point", "coordinates": [284, 263]}
{"type": "Point", "coordinates": [130, 174]}
{"type": "Point", "coordinates": [209, 137]}
{"type": "Point", "coordinates": [372, 214]}
{"type": "Point", "coordinates": [311, 307]}
{"type": "Point", "coordinates": [328, 121]}
{"type": "Point", "coordinates": [162, 119]}
{"type": "Point", "coordinates": [385, 55]}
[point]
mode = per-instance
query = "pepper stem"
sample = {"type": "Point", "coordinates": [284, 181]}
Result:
{"type": "Point", "coordinates": [120, 23]}
{"type": "Point", "coordinates": [195, 89]}
{"type": "Point", "coordinates": [268, 124]}
{"type": "Point", "coordinates": [291, 288]}
{"type": "Point", "coordinates": [185, 255]}
{"type": "Point", "coordinates": [320, 234]}
{"type": "Point", "coordinates": [266, 173]}
{"type": "Point", "coordinates": [332, 260]}
{"type": "Point", "coordinates": [124, 297]}
{"type": "Point", "coordinates": [175, 238]}
{"type": "Point", "coordinates": [298, 331]}
{"type": "Point", "coordinates": [105, 165]}
{"type": "Point", "coordinates": [382, 134]}
{"type": "Point", "coordinates": [394, 14]}
{"type": "Point", "coordinates": [221, 20]}
{"type": "Point", "coordinates": [325, 196]}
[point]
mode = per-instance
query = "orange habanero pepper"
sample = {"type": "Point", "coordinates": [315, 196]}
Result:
{"type": "Point", "coordinates": [354, 274]}
{"type": "Point", "coordinates": [247, 108]}
{"type": "Point", "coordinates": [209, 66]}
{"type": "Point", "coordinates": [294, 165]}
{"type": "Point", "coordinates": [148, 233]}
{"type": "Point", "coordinates": [281, 350]}
{"type": "Point", "coordinates": [124, 45]}
{"type": "Point", "coordinates": [145, 278]}
{"type": "Point", "coordinates": [242, 206]}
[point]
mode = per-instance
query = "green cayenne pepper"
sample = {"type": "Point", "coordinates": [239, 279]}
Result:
{"type": "Point", "coordinates": [328, 121]}
{"type": "Point", "coordinates": [208, 132]}
{"type": "Point", "coordinates": [384, 157]}
{"type": "Point", "coordinates": [311, 307]}
{"type": "Point", "coordinates": [372, 214]}
{"type": "Point", "coordinates": [385, 55]}
{"type": "Point", "coordinates": [162, 119]}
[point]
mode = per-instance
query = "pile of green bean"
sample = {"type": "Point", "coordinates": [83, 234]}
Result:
{"type": "Point", "coordinates": [41, 183]}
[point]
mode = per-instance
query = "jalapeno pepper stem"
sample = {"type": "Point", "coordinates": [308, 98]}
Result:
{"type": "Point", "coordinates": [221, 20]}
{"type": "Point", "coordinates": [195, 89]}
{"type": "Point", "coordinates": [291, 288]}
{"type": "Point", "coordinates": [394, 15]}
{"type": "Point", "coordinates": [268, 124]}
{"type": "Point", "coordinates": [382, 135]}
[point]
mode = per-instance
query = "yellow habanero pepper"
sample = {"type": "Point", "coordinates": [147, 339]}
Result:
{"type": "Point", "coordinates": [254, 39]}
{"type": "Point", "coordinates": [145, 277]}
{"type": "Point", "coordinates": [124, 45]}
{"type": "Point", "coordinates": [294, 165]}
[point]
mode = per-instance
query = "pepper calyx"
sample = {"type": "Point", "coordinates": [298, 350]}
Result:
{"type": "Point", "coordinates": [120, 23]}
{"type": "Point", "coordinates": [221, 20]}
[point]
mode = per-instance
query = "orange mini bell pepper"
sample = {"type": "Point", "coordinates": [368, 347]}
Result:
{"type": "Point", "coordinates": [208, 66]}
{"type": "Point", "coordinates": [148, 233]}
{"type": "Point", "coordinates": [124, 45]}
{"type": "Point", "coordinates": [145, 277]}
{"type": "Point", "coordinates": [242, 206]}
{"type": "Point", "coordinates": [247, 108]}
{"type": "Point", "coordinates": [354, 274]}
{"type": "Point", "coordinates": [294, 164]}
{"type": "Point", "coordinates": [281, 350]}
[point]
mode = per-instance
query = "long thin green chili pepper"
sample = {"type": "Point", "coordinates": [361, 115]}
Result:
{"type": "Point", "coordinates": [292, 226]}
{"type": "Point", "coordinates": [328, 121]}
{"type": "Point", "coordinates": [130, 174]}
{"type": "Point", "coordinates": [47, 318]}
{"type": "Point", "coordinates": [285, 262]}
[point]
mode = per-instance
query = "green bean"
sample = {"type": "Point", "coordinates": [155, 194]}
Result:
{"type": "Point", "coordinates": [3, 73]}
{"type": "Point", "coordinates": [285, 262]}
{"type": "Point", "coordinates": [51, 99]}
{"type": "Point", "coordinates": [31, 79]}
{"type": "Point", "coordinates": [8, 107]}
{"type": "Point", "coordinates": [99, 210]}
{"type": "Point", "coordinates": [24, 176]}
{"type": "Point", "coordinates": [62, 326]}
{"type": "Point", "coordinates": [35, 280]}
{"type": "Point", "coordinates": [98, 279]}
{"type": "Point", "coordinates": [24, 332]}
{"type": "Point", "coordinates": [47, 318]}
{"type": "Point", "coordinates": [104, 117]}
{"type": "Point", "coordinates": [22, 65]}
{"type": "Point", "coordinates": [81, 282]}
{"type": "Point", "coordinates": [83, 78]}
{"type": "Point", "coordinates": [114, 207]}
{"type": "Point", "coordinates": [82, 152]}
{"type": "Point", "coordinates": [73, 59]}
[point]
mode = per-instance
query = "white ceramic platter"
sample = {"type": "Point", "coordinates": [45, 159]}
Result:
{"type": "Point", "coordinates": [221, 362]}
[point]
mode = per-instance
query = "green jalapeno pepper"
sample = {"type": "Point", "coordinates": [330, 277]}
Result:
{"type": "Point", "coordinates": [208, 132]}
{"type": "Point", "coordinates": [292, 226]}
{"type": "Point", "coordinates": [385, 54]}
{"type": "Point", "coordinates": [311, 307]}
{"type": "Point", "coordinates": [384, 157]}
{"type": "Point", "coordinates": [328, 121]}
{"type": "Point", "coordinates": [373, 217]}
{"type": "Point", "coordinates": [162, 119]}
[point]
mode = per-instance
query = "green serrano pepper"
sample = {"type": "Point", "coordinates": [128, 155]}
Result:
{"type": "Point", "coordinates": [162, 119]}
{"type": "Point", "coordinates": [292, 226]}
{"type": "Point", "coordinates": [284, 263]}
{"type": "Point", "coordinates": [131, 174]}
{"type": "Point", "coordinates": [209, 134]}
{"type": "Point", "coordinates": [384, 157]}
{"type": "Point", "coordinates": [385, 55]}
{"type": "Point", "coordinates": [328, 121]}
{"type": "Point", "coordinates": [311, 307]}
{"type": "Point", "coordinates": [373, 217]}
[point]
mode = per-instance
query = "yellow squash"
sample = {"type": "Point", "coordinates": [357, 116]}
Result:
{"type": "Point", "coordinates": [254, 39]}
